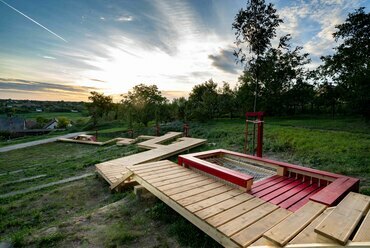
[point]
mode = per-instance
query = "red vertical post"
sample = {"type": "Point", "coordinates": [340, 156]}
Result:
{"type": "Point", "coordinates": [259, 120]}
{"type": "Point", "coordinates": [260, 136]}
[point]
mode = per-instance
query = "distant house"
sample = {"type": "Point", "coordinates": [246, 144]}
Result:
{"type": "Point", "coordinates": [12, 124]}
{"type": "Point", "coordinates": [38, 110]}
{"type": "Point", "coordinates": [74, 111]}
{"type": "Point", "coordinates": [53, 124]}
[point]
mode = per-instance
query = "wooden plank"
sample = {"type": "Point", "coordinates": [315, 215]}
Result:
{"type": "Point", "coordinates": [234, 212]}
{"type": "Point", "coordinates": [340, 224]}
{"type": "Point", "coordinates": [246, 219]}
{"type": "Point", "coordinates": [251, 233]}
{"type": "Point", "coordinates": [178, 174]}
{"type": "Point", "coordinates": [263, 242]}
{"type": "Point", "coordinates": [259, 183]}
{"type": "Point", "coordinates": [303, 201]}
{"type": "Point", "coordinates": [222, 206]}
{"type": "Point", "coordinates": [363, 233]}
{"type": "Point", "coordinates": [309, 236]}
{"type": "Point", "coordinates": [267, 185]}
{"type": "Point", "coordinates": [299, 196]}
{"type": "Point", "coordinates": [208, 229]}
{"type": "Point", "coordinates": [335, 191]}
{"type": "Point", "coordinates": [175, 180]}
{"type": "Point", "coordinates": [205, 195]}
{"type": "Point", "coordinates": [180, 184]}
{"type": "Point", "coordinates": [282, 190]}
{"type": "Point", "coordinates": [283, 197]}
{"type": "Point", "coordinates": [149, 167]}
{"type": "Point", "coordinates": [274, 188]}
{"type": "Point", "coordinates": [196, 190]}
{"type": "Point", "coordinates": [213, 200]}
{"type": "Point", "coordinates": [164, 172]}
{"type": "Point", "coordinates": [282, 233]}
{"type": "Point", "coordinates": [187, 187]}
{"type": "Point", "coordinates": [121, 180]}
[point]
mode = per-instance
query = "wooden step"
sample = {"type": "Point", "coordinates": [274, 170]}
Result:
{"type": "Point", "coordinates": [282, 233]}
{"type": "Point", "coordinates": [250, 234]}
{"type": "Point", "coordinates": [363, 233]}
{"type": "Point", "coordinates": [340, 224]}
{"type": "Point", "coordinates": [309, 236]}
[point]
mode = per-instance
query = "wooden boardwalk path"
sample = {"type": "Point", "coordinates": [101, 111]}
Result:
{"type": "Point", "coordinates": [235, 218]}
{"type": "Point", "coordinates": [113, 170]}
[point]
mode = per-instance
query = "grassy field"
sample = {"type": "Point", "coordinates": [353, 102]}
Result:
{"type": "Point", "coordinates": [84, 213]}
{"type": "Point", "coordinates": [49, 115]}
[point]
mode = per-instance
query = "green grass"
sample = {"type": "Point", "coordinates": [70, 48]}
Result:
{"type": "Point", "coordinates": [339, 123]}
{"type": "Point", "coordinates": [320, 143]}
{"type": "Point", "coordinates": [339, 151]}
{"type": "Point", "coordinates": [49, 115]}
{"type": "Point", "coordinates": [24, 139]}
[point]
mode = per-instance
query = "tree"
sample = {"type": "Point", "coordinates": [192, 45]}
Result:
{"type": "Point", "coordinates": [143, 103]}
{"type": "Point", "coordinates": [227, 100]}
{"type": "Point", "coordinates": [98, 106]}
{"type": "Point", "coordinates": [349, 66]}
{"type": "Point", "coordinates": [63, 122]}
{"type": "Point", "coordinates": [283, 68]}
{"type": "Point", "coordinates": [256, 26]}
{"type": "Point", "coordinates": [203, 101]}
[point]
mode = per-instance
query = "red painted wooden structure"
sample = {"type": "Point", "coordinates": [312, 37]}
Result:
{"type": "Point", "coordinates": [259, 122]}
{"type": "Point", "coordinates": [291, 187]}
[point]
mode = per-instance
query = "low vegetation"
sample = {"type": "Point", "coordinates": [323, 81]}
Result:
{"type": "Point", "coordinates": [68, 214]}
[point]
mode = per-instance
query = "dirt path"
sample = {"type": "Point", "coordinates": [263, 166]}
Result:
{"type": "Point", "coordinates": [38, 142]}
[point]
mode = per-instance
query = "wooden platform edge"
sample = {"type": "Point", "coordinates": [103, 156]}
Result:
{"type": "Point", "coordinates": [205, 227]}
{"type": "Point", "coordinates": [313, 245]}
{"type": "Point", "coordinates": [120, 181]}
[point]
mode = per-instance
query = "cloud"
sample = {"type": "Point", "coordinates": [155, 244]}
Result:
{"type": "Point", "coordinates": [224, 61]}
{"type": "Point", "coordinates": [30, 86]}
{"type": "Point", "coordinates": [97, 80]}
{"type": "Point", "coordinates": [124, 18]}
{"type": "Point", "coordinates": [48, 57]}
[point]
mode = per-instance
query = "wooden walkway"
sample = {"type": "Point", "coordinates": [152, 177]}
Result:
{"type": "Point", "coordinates": [112, 171]}
{"type": "Point", "coordinates": [237, 219]}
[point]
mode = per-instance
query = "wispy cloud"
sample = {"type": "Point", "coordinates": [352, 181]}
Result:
{"type": "Point", "coordinates": [29, 18]}
{"type": "Point", "coordinates": [124, 18]}
{"type": "Point", "coordinates": [29, 86]}
{"type": "Point", "coordinates": [48, 57]}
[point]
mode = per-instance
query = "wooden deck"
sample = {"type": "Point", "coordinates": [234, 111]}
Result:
{"type": "Point", "coordinates": [235, 218]}
{"type": "Point", "coordinates": [112, 171]}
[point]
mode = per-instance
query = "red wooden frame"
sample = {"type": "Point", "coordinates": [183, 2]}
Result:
{"type": "Point", "coordinates": [259, 116]}
{"type": "Point", "coordinates": [332, 187]}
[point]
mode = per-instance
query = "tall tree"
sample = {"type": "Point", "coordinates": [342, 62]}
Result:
{"type": "Point", "coordinates": [203, 101]}
{"type": "Point", "coordinates": [349, 67]}
{"type": "Point", "coordinates": [99, 105]}
{"type": "Point", "coordinates": [144, 103]}
{"type": "Point", "coordinates": [255, 26]}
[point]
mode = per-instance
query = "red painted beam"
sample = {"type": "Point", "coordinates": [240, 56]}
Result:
{"type": "Point", "coordinates": [216, 170]}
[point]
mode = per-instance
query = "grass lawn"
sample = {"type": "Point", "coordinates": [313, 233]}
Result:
{"type": "Point", "coordinates": [49, 115]}
{"type": "Point", "coordinates": [72, 215]}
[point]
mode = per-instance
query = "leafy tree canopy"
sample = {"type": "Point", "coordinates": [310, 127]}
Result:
{"type": "Point", "coordinates": [349, 66]}
{"type": "Point", "coordinates": [143, 103]}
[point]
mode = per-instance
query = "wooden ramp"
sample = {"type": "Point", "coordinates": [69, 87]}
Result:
{"type": "Point", "coordinates": [113, 170]}
{"type": "Point", "coordinates": [237, 219]}
{"type": "Point", "coordinates": [157, 141]}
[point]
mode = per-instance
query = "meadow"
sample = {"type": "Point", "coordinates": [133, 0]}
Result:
{"type": "Point", "coordinates": [85, 213]}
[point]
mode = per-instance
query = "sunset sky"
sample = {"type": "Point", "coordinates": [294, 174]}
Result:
{"type": "Point", "coordinates": [62, 49]}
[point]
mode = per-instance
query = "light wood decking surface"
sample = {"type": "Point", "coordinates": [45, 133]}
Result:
{"type": "Point", "coordinates": [113, 170]}
{"type": "Point", "coordinates": [237, 219]}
